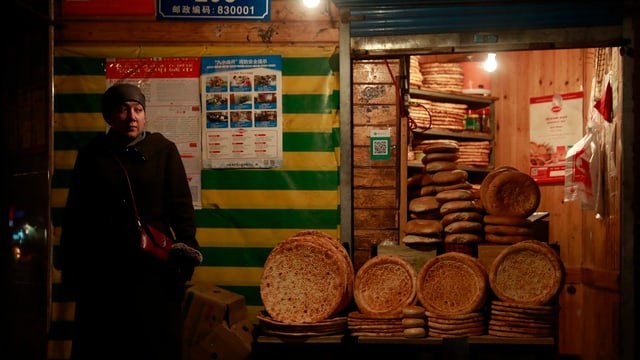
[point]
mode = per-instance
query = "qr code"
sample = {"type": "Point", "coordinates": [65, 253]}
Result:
{"type": "Point", "coordinates": [380, 147]}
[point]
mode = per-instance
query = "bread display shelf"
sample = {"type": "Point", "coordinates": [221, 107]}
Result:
{"type": "Point", "coordinates": [460, 134]}
{"type": "Point", "coordinates": [418, 164]}
{"type": "Point", "coordinates": [472, 101]}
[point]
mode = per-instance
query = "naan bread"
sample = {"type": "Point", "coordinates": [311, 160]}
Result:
{"type": "Point", "coordinates": [385, 284]}
{"type": "Point", "coordinates": [528, 272]}
{"type": "Point", "coordinates": [452, 283]}
{"type": "Point", "coordinates": [306, 279]}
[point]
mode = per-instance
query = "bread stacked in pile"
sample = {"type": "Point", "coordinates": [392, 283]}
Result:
{"type": "Point", "coordinates": [446, 77]}
{"type": "Point", "coordinates": [453, 290]}
{"type": "Point", "coordinates": [308, 279]}
{"type": "Point", "coordinates": [526, 279]}
{"type": "Point", "coordinates": [443, 205]}
{"type": "Point", "coordinates": [453, 287]}
{"type": "Point", "coordinates": [429, 114]}
{"type": "Point", "coordinates": [508, 198]}
{"type": "Point", "coordinates": [384, 285]}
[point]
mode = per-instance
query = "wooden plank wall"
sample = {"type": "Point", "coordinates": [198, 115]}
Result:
{"type": "Point", "coordinates": [589, 248]}
{"type": "Point", "coordinates": [292, 24]}
{"type": "Point", "coordinates": [375, 182]}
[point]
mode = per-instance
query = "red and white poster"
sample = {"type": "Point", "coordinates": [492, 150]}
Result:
{"type": "Point", "coordinates": [171, 87]}
{"type": "Point", "coordinates": [555, 123]}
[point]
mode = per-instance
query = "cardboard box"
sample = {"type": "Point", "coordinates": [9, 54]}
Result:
{"type": "Point", "coordinates": [206, 308]}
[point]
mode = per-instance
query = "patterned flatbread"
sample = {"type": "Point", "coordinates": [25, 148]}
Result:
{"type": "Point", "coordinates": [511, 193]}
{"type": "Point", "coordinates": [385, 284]}
{"type": "Point", "coordinates": [322, 292]}
{"type": "Point", "coordinates": [452, 283]}
{"type": "Point", "coordinates": [528, 272]}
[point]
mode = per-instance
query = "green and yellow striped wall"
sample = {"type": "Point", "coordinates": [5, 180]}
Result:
{"type": "Point", "coordinates": [245, 213]}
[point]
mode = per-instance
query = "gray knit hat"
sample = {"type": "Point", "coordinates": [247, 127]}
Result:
{"type": "Point", "coordinates": [118, 94]}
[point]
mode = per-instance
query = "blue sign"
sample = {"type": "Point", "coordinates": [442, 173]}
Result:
{"type": "Point", "coordinates": [214, 9]}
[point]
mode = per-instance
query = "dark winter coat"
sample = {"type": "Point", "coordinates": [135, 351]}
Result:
{"type": "Point", "coordinates": [128, 304]}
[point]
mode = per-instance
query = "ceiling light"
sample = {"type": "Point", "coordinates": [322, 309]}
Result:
{"type": "Point", "coordinates": [490, 64]}
{"type": "Point", "coordinates": [311, 3]}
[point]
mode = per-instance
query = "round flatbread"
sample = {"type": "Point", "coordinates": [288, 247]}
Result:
{"type": "Point", "coordinates": [458, 206]}
{"type": "Point", "coordinates": [456, 194]}
{"type": "Point", "coordinates": [507, 220]}
{"type": "Point", "coordinates": [462, 238]}
{"type": "Point", "coordinates": [464, 226]}
{"type": "Point", "coordinates": [528, 272]}
{"type": "Point", "coordinates": [439, 165]}
{"type": "Point", "coordinates": [423, 203]}
{"type": "Point", "coordinates": [385, 284]}
{"type": "Point", "coordinates": [489, 178]}
{"type": "Point", "coordinates": [441, 147]}
{"type": "Point", "coordinates": [414, 311]}
{"type": "Point", "coordinates": [461, 216]}
{"type": "Point", "coordinates": [511, 193]}
{"type": "Point", "coordinates": [508, 230]}
{"type": "Point", "coordinates": [316, 296]}
{"type": "Point", "coordinates": [450, 176]}
{"type": "Point", "coordinates": [452, 283]}
{"type": "Point", "coordinates": [505, 239]}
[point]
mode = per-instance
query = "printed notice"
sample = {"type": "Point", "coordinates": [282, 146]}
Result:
{"type": "Point", "coordinates": [555, 124]}
{"type": "Point", "coordinates": [242, 117]}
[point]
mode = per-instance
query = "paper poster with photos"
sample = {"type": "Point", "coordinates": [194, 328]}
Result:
{"type": "Point", "coordinates": [555, 124]}
{"type": "Point", "coordinates": [242, 111]}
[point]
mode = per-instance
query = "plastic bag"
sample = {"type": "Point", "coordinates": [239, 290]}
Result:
{"type": "Point", "coordinates": [582, 171]}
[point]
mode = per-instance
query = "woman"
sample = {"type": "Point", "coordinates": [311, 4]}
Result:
{"type": "Point", "coordinates": [128, 303]}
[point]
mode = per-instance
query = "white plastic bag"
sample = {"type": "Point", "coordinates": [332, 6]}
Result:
{"type": "Point", "coordinates": [582, 171]}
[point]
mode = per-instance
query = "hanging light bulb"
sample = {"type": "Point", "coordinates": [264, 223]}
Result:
{"type": "Point", "coordinates": [490, 64]}
{"type": "Point", "coordinates": [311, 3]}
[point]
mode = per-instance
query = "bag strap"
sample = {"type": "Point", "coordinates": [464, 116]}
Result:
{"type": "Point", "coordinates": [133, 199]}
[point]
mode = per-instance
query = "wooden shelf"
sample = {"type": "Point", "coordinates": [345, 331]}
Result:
{"type": "Point", "coordinates": [461, 134]}
{"type": "Point", "coordinates": [472, 101]}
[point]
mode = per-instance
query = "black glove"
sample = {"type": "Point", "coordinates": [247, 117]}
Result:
{"type": "Point", "coordinates": [186, 254]}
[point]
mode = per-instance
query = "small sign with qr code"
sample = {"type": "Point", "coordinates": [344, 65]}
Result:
{"type": "Point", "coordinates": [380, 148]}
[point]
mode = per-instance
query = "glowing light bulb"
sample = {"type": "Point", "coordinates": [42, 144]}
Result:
{"type": "Point", "coordinates": [490, 64]}
{"type": "Point", "coordinates": [311, 3]}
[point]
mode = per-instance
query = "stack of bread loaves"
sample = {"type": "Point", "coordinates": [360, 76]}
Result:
{"type": "Point", "coordinates": [440, 174]}
{"type": "Point", "coordinates": [384, 286]}
{"type": "Point", "coordinates": [526, 278]}
{"type": "Point", "coordinates": [453, 288]}
{"type": "Point", "coordinates": [508, 198]}
{"type": "Point", "coordinates": [307, 278]}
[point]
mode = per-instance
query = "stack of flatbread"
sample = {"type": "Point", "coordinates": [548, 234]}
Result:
{"type": "Point", "coordinates": [415, 76]}
{"type": "Point", "coordinates": [307, 278]}
{"type": "Point", "coordinates": [474, 153]}
{"type": "Point", "coordinates": [453, 288]}
{"type": "Point", "coordinates": [520, 320]}
{"type": "Point", "coordinates": [273, 327]}
{"type": "Point", "coordinates": [437, 115]}
{"type": "Point", "coordinates": [461, 219]}
{"type": "Point", "coordinates": [439, 173]}
{"type": "Point", "coordinates": [457, 325]}
{"type": "Point", "coordinates": [509, 197]}
{"type": "Point", "coordinates": [414, 322]}
{"type": "Point", "coordinates": [446, 77]}
{"type": "Point", "coordinates": [526, 278]}
{"type": "Point", "coordinates": [360, 324]}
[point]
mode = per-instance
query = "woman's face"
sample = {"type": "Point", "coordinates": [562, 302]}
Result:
{"type": "Point", "coordinates": [128, 119]}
